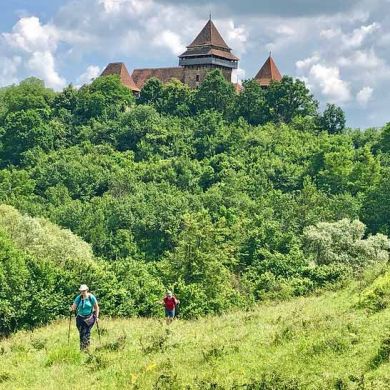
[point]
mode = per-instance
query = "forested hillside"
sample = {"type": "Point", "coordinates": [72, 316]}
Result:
{"type": "Point", "coordinates": [229, 199]}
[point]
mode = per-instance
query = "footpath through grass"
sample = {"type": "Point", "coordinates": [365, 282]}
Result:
{"type": "Point", "coordinates": [322, 342]}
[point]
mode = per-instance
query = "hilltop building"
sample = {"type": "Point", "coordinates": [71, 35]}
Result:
{"type": "Point", "coordinates": [207, 52]}
{"type": "Point", "coordinates": [268, 72]}
{"type": "Point", "coordinates": [120, 69]}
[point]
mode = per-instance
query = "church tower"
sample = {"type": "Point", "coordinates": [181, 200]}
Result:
{"type": "Point", "coordinates": [207, 52]}
{"type": "Point", "coordinates": [268, 72]}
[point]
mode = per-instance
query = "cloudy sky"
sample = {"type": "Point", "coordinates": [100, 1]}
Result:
{"type": "Point", "coordinates": [341, 48]}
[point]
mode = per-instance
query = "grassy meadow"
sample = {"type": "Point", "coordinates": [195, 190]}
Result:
{"type": "Point", "coordinates": [319, 342]}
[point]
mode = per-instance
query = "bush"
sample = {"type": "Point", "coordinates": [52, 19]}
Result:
{"type": "Point", "coordinates": [328, 274]}
{"type": "Point", "coordinates": [140, 289]}
{"type": "Point", "coordinates": [377, 296]}
{"type": "Point", "coordinates": [43, 239]}
{"type": "Point", "coordinates": [343, 242]}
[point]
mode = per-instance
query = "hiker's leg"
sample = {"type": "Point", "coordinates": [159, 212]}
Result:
{"type": "Point", "coordinates": [81, 328]}
{"type": "Point", "coordinates": [170, 314]}
{"type": "Point", "coordinates": [87, 338]}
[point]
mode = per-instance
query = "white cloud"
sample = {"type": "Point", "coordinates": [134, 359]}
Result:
{"type": "Point", "coordinates": [323, 78]}
{"type": "Point", "coordinates": [9, 70]}
{"type": "Point", "coordinates": [364, 95]}
{"type": "Point", "coordinates": [307, 62]}
{"type": "Point", "coordinates": [238, 75]}
{"type": "Point", "coordinates": [89, 75]}
{"type": "Point", "coordinates": [29, 35]}
{"type": "Point", "coordinates": [42, 65]}
{"type": "Point", "coordinates": [112, 6]}
{"type": "Point", "coordinates": [35, 44]}
{"type": "Point", "coordinates": [170, 40]}
{"type": "Point", "coordinates": [285, 30]}
{"type": "Point", "coordinates": [327, 78]}
{"type": "Point", "coordinates": [361, 58]}
{"type": "Point", "coordinates": [135, 7]}
{"type": "Point", "coordinates": [236, 36]}
{"type": "Point", "coordinates": [352, 40]}
{"type": "Point", "coordinates": [330, 33]}
{"type": "Point", "coordinates": [283, 33]}
{"type": "Point", "coordinates": [357, 37]}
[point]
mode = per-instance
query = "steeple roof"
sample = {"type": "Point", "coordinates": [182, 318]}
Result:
{"type": "Point", "coordinates": [209, 36]}
{"type": "Point", "coordinates": [209, 43]}
{"type": "Point", "coordinates": [268, 72]}
{"type": "Point", "coordinates": [119, 68]}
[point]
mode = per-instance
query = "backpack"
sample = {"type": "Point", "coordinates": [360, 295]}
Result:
{"type": "Point", "coordinates": [80, 300]}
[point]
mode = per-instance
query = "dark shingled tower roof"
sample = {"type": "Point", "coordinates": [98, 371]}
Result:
{"type": "Point", "coordinates": [209, 36]}
{"type": "Point", "coordinates": [119, 68]}
{"type": "Point", "coordinates": [268, 72]}
{"type": "Point", "coordinates": [209, 42]}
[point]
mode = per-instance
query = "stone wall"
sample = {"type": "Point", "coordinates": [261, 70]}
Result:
{"type": "Point", "coordinates": [194, 75]}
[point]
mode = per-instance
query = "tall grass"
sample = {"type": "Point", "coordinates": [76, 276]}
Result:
{"type": "Point", "coordinates": [324, 342]}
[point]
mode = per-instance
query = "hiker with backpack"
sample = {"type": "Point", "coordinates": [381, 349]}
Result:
{"type": "Point", "coordinates": [170, 303]}
{"type": "Point", "coordinates": [87, 309]}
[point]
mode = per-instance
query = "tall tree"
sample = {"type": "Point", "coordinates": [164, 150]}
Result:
{"type": "Point", "coordinates": [175, 99]}
{"type": "Point", "coordinates": [215, 93]}
{"type": "Point", "coordinates": [251, 104]}
{"type": "Point", "coordinates": [105, 98]}
{"type": "Point", "coordinates": [384, 141]}
{"type": "Point", "coordinates": [333, 119]}
{"type": "Point", "coordinates": [29, 94]}
{"type": "Point", "coordinates": [25, 130]}
{"type": "Point", "coordinates": [151, 92]}
{"type": "Point", "coordinates": [289, 98]}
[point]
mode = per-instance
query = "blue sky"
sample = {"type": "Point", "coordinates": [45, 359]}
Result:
{"type": "Point", "coordinates": [340, 48]}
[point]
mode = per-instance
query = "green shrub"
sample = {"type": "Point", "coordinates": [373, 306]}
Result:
{"type": "Point", "coordinates": [328, 274]}
{"type": "Point", "coordinates": [343, 242]}
{"type": "Point", "coordinates": [155, 342]}
{"type": "Point", "coordinates": [5, 377]}
{"type": "Point", "coordinates": [383, 354]}
{"type": "Point", "coordinates": [377, 296]}
{"type": "Point", "coordinates": [43, 239]}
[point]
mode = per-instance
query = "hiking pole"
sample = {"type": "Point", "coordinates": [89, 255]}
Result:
{"type": "Point", "coordinates": [98, 329]}
{"type": "Point", "coordinates": [70, 320]}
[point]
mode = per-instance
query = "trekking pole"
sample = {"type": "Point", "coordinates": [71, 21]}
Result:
{"type": "Point", "coordinates": [98, 329]}
{"type": "Point", "coordinates": [70, 320]}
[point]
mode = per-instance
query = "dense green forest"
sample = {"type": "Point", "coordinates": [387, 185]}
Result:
{"type": "Point", "coordinates": [229, 199]}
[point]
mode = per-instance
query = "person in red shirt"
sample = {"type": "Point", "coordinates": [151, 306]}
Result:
{"type": "Point", "coordinates": [170, 302]}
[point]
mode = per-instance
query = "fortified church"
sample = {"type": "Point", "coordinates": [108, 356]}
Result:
{"type": "Point", "coordinates": [207, 52]}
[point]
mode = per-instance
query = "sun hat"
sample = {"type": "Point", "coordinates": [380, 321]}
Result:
{"type": "Point", "coordinates": [83, 287]}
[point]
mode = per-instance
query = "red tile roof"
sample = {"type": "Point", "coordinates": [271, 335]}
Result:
{"type": "Point", "coordinates": [209, 51]}
{"type": "Point", "coordinates": [140, 76]}
{"type": "Point", "coordinates": [209, 42]}
{"type": "Point", "coordinates": [268, 72]}
{"type": "Point", "coordinates": [209, 36]}
{"type": "Point", "coordinates": [119, 68]}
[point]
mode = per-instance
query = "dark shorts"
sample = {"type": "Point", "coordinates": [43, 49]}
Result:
{"type": "Point", "coordinates": [170, 313]}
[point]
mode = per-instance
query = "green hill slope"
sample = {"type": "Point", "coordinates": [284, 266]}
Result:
{"type": "Point", "coordinates": [323, 342]}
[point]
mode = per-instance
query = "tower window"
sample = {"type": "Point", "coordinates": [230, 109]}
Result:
{"type": "Point", "coordinates": [197, 78]}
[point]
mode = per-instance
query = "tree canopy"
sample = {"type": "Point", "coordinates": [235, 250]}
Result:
{"type": "Point", "coordinates": [227, 198]}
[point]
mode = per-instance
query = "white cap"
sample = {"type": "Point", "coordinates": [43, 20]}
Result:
{"type": "Point", "coordinates": [83, 287]}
